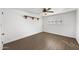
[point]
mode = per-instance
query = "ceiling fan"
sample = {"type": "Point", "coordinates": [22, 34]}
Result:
{"type": "Point", "coordinates": [45, 11]}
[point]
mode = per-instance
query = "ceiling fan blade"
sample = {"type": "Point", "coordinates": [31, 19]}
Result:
{"type": "Point", "coordinates": [50, 11]}
{"type": "Point", "coordinates": [48, 8]}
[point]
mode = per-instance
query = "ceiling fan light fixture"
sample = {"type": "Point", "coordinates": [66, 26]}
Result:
{"type": "Point", "coordinates": [44, 13]}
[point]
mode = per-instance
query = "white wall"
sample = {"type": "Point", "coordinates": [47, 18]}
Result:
{"type": "Point", "coordinates": [67, 28]}
{"type": "Point", "coordinates": [77, 37]}
{"type": "Point", "coordinates": [16, 27]}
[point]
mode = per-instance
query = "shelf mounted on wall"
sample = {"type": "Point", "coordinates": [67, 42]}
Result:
{"type": "Point", "coordinates": [25, 16]}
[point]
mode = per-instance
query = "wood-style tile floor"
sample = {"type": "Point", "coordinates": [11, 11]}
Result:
{"type": "Point", "coordinates": [43, 41]}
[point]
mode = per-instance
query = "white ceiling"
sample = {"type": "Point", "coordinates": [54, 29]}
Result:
{"type": "Point", "coordinates": [39, 10]}
{"type": "Point", "coordinates": [32, 10]}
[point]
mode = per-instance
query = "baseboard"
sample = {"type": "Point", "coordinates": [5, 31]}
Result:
{"type": "Point", "coordinates": [60, 34]}
{"type": "Point", "coordinates": [35, 34]}
{"type": "Point", "coordinates": [77, 38]}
